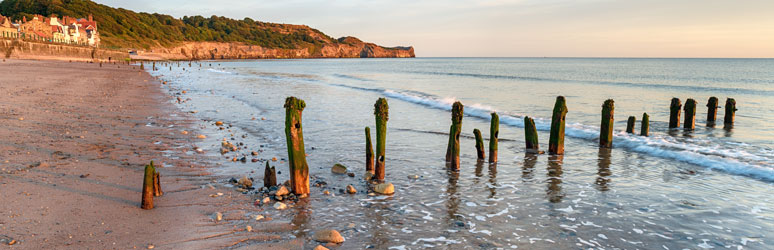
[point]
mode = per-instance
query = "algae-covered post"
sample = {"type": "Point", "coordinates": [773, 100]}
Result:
{"type": "Point", "coordinates": [690, 114]}
{"type": "Point", "coordinates": [269, 176]}
{"type": "Point", "coordinates": [645, 127]}
{"type": "Point", "coordinates": [142, 66]}
{"type": "Point", "coordinates": [730, 111]}
{"type": "Point", "coordinates": [530, 136]}
{"type": "Point", "coordinates": [369, 151]}
{"type": "Point", "coordinates": [712, 110]}
{"type": "Point", "coordinates": [674, 113]}
{"type": "Point", "coordinates": [630, 124]}
{"type": "Point", "coordinates": [299, 170]}
{"type": "Point", "coordinates": [494, 133]}
{"type": "Point", "coordinates": [606, 128]}
{"type": "Point", "coordinates": [147, 186]}
{"type": "Point", "coordinates": [453, 149]}
{"type": "Point", "coordinates": [479, 145]}
{"type": "Point", "coordinates": [556, 139]}
{"type": "Point", "coordinates": [381, 111]}
{"type": "Point", "coordinates": [154, 66]}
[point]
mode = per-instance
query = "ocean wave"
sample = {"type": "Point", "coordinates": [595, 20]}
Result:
{"type": "Point", "coordinates": [219, 71]}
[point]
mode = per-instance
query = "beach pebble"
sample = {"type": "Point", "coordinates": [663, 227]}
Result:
{"type": "Point", "coordinates": [245, 182]}
{"type": "Point", "coordinates": [413, 177]}
{"type": "Point", "coordinates": [282, 191]}
{"type": "Point", "coordinates": [249, 228]}
{"type": "Point", "coordinates": [351, 225]}
{"type": "Point", "coordinates": [326, 192]}
{"type": "Point", "coordinates": [202, 137]}
{"type": "Point", "coordinates": [259, 217]}
{"type": "Point", "coordinates": [265, 200]}
{"type": "Point", "coordinates": [339, 169]}
{"type": "Point", "coordinates": [219, 123]}
{"type": "Point", "coordinates": [368, 176]}
{"type": "Point", "coordinates": [280, 206]}
{"type": "Point", "coordinates": [351, 189]}
{"type": "Point", "coordinates": [254, 153]}
{"type": "Point", "coordinates": [184, 132]}
{"type": "Point", "coordinates": [218, 216]}
{"type": "Point", "coordinates": [385, 188]}
{"type": "Point", "coordinates": [320, 247]}
{"type": "Point", "coordinates": [350, 174]}
{"type": "Point", "coordinates": [328, 235]}
{"type": "Point", "coordinates": [151, 246]}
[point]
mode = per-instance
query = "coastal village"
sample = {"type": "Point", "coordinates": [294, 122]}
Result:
{"type": "Point", "coordinates": [66, 30]}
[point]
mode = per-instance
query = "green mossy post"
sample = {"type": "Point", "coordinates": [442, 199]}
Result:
{"type": "Point", "coordinates": [381, 111]}
{"type": "Point", "coordinates": [674, 113]}
{"type": "Point", "coordinates": [606, 128]}
{"type": "Point", "coordinates": [630, 124]}
{"type": "Point", "coordinates": [556, 140]}
{"type": "Point", "coordinates": [712, 109]}
{"type": "Point", "coordinates": [269, 176]}
{"type": "Point", "coordinates": [453, 149]}
{"type": "Point", "coordinates": [690, 114]}
{"type": "Point", "coordinates": [157, 184]}
{"type": "Point", "coordinates": [369, 151]}
{"type": "Point", "coordinates": [645, 126]}
{"type": "Point", "coordinates": [299, 169]}
{"type": "Point", "coordinates": [147, 186]}
{"type": "Point", "coordinates": [494, 133]}
{"type": "Point", "coordinates": [154, 66]}
{"type": "Point", "coordinates": [479, 145]}
{"type": "Point", "coordinates": [142, 66]}
{"type": "Point", "coordinates": [531, 136]}
{"type": "Point", "coordinates": [730, 112]}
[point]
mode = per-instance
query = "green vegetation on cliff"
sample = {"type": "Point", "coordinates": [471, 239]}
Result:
{"type": "Point", "coordinates": [121, 28]}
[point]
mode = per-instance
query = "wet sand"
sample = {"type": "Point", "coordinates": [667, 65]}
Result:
{"type": "Point", "coordinates": [74, 138]}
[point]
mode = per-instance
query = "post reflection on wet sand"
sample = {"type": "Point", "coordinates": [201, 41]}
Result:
{"type": "Point", "coordinates": [603, 169]}
{"type": "Point", "coordinates": [492, 180]}
{"type": "Point", "coordinates": [554, 192]}
{"type": "Point", "coordinates": [528, 170]}
{"type": "Point", "coordinates": [452, 197]}
{"type": "Point", "coordinates": [378, 224]}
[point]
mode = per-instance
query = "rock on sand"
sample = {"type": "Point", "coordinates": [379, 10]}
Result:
{"type": "Point", "coordinates": [385, 188]}
{"type": "Point", "coordinates": [339, 169]}
{"type": "Point", "coordinates": [328, 235]}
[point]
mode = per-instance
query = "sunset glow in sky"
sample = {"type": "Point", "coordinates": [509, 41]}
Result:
{"type": "Point", "coordinates": [518, 28]}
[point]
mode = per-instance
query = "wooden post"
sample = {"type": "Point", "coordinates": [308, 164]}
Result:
{"type": "Point", "coordinates": [712, 110]}
{"type": "Point", "coordinates": [157, 184]}
{"type": "Point", "coordinates": [556, 140]}
{"type": "Point", "coordinates": [479, 145]}
{"type": "Point", "coordinates": [606, 128]}
{"type": "Point", "coordinates": [530, 136]}
{"type": "Point", "coordinates": [674, 113]}
{"type": "Point", "coordinates": [494, 133]}
{"type": "Point", "coordinates": [299, 170]}
{"type": "Point", "coordinates": [142, 66]}
{"type": "Point", "coordinates": [154, 66]}
{"type": "Point", "coordinates": [369, 151]}
{"type": "Point", "coordinates": [645, 127]}
{"type": "Point", "coordinates": [730, 111]}
{"type": "Point", "coordinates": [269, 176]}
{"type": "Point", "coordinates": [147, 187]}
{"type": "Point", "coordinates": [690, 114]}
{"type": "Point", "coordinates": [381, 111]}
{"type": "Point", "coordinates": [453, 150]}
{"type": "Point", "coordinates": [630, 124]}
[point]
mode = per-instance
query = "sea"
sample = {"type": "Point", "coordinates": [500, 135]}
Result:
{"type": "Point", "coordinates": [710, 187]}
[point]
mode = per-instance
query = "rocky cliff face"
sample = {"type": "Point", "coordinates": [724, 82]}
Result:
{"type": "Point", "coordinates": [217, 50]}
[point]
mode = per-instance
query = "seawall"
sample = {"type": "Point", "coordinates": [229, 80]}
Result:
{"type": "Point", "coordinates": [20, 49]}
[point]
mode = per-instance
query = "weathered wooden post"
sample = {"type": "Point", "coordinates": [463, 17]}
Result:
{"type": "Point", "coordinates": [712, 110]}
{"type": "Point", "coordinates": [494, 133]}
{"type": "Point", "coordinates": [269, 176]}
{"type": "Point", "coordinates": [369, 151]}
{"type": "Point", "coordinates": [142, 66]}
{"type": "Point", "coordinates": [556, 140]}
{"type": "Point", "coordinates": [674, 113]}
{"type": "Point", "coordinates": [479, 145]}
{"type": "Point", "coordinates": [530, 136]}
{"type": "Point", "coordinates": [645, 127]}
{"type": "Point", "coordinates": [630, 124]}
{"type": "Point", "coordinates": [147, 187]}
{"type": "Point", "coordinates": [453, 150]}
{"type": "Point", "coordinates": [690, 114]}
{"type": "Point", "coordinates": [381, 111]}
{"type": "Point", "coordinates": [606, 129]}
{"type": "Point", "coordinates": [299, 170]}
{"type": "Point", "coordinates": [730, 111]}
{"type": "Point", "coordinates": [157, 184]}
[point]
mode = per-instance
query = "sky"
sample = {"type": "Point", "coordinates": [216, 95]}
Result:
{"type": "Point", "coordinates": [516, 28]}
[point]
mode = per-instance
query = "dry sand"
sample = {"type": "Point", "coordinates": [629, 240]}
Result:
{"type": "Point", "coordinates": [74, 138]}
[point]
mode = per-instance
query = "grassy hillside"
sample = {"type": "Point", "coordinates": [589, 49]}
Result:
{"type": "Point", "coordinates": [121, 28]}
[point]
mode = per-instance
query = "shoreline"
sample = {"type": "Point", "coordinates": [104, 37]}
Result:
{"type": "Point", "coordinates": [74, 142]}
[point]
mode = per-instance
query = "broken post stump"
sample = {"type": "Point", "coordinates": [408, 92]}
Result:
{"type": "Point", "coordinates": [712, 110]}
{"type": "Point", "coordinates": [269, 176]}
{"type": "Point", "coordinates": [530, 136]}
{"type": "Point", "coordinates": [606, 128]}
{"type": "Point", "coordinates": [147, 187]}
{"type": "Point", "coordinates": [157, 184]}
{"type": "Point", "coordinates": [674, 113]}
{"type": "Point", "coordinates": [453, 149]}
{"type": "Point", "coordinates": [299, 169]}
{"type": "Point", "coordinates": [381, 111]}
{"type": "Point", "coordinates": [630, 124]}
{"type": "Point", "coordinates": [494, 133]}
{"type": "Point", "coordinates": [369, 152]}
{"type": "Point", "coordinates": [645, 126]}
{"type": "Point", "coordinates": [690, 114]}
{"type": "Point", "coordinates": [479, 145]}
{"type": "Point", "coordinates": [730, 107]}
{"type": "Point", "coordinates": [556, 140]}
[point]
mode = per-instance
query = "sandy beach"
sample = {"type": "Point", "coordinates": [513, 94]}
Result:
{"type": "Point", "coordinates": [74, 138]}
